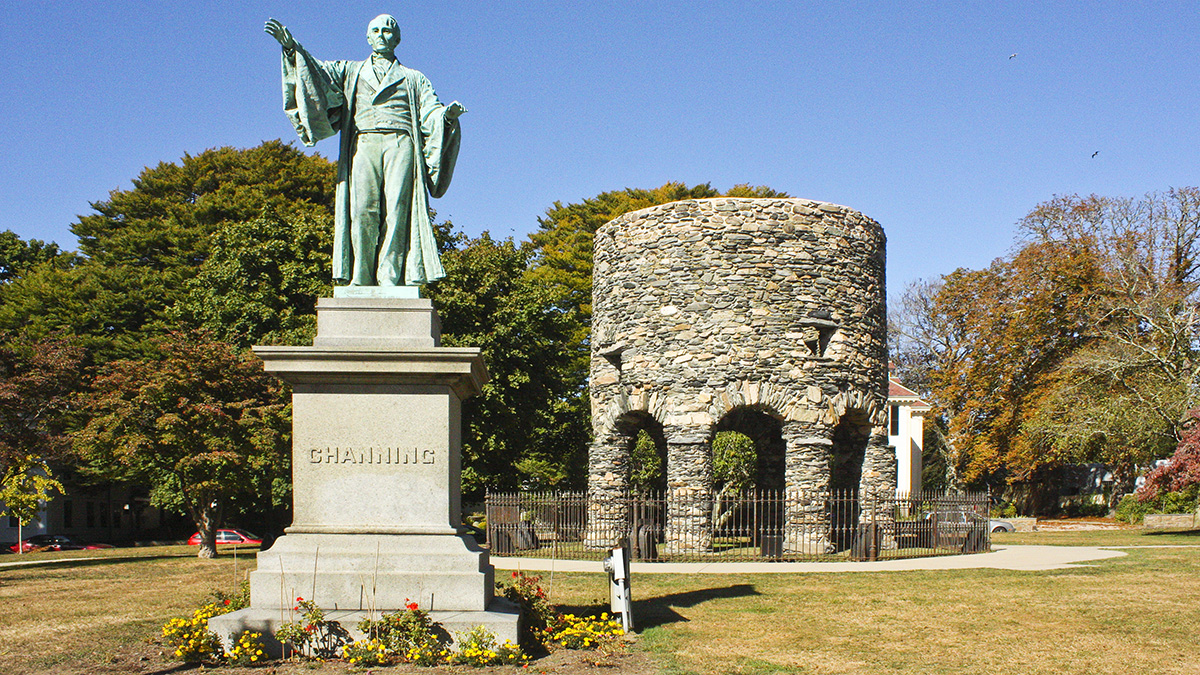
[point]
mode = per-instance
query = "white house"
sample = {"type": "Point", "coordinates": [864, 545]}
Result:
{"type": "Point", "coordinates": [906, 433]}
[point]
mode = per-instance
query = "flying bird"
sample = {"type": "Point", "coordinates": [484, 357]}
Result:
{"type": "Point", "coordinates": [1012, 56]}
{"type": "Point", "coordinates": [1095, 153]}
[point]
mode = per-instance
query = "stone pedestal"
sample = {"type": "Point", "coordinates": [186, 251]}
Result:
{"type": "Point", "coordinates": [375, 471]}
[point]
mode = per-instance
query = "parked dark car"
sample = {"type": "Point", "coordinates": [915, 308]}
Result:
{"type": "Point", "coordinates": [56, 542]}
{"type": "Point", "coordinates": [241, 537]}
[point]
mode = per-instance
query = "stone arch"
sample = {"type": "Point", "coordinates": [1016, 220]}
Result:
{"type": "Point", "coordinates": [848, 452]}
{"type": "Point", "coordinates": [628, 427]}
{"type": "Point", "coordinates": [764, 426]}
{"type": "Point", "coordinates": [762, 519]}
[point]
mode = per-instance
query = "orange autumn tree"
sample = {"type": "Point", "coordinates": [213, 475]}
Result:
{"type": "Point", "coordinates": [1009, 327]}
{"type": "Point", "coordinates": [1122, 399]}
{"type": "Point", "coordinates": [1079, 347]}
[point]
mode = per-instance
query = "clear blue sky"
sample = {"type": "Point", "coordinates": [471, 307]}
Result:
{"type": "Point", "coordinates": [911, 112]}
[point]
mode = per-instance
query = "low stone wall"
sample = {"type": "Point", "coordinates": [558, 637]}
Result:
{"type": "Point", "coordinates": [1164, 521]}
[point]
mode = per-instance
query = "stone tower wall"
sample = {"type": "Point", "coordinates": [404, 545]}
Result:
{"type": "Point", "coordinates": [704, 306]}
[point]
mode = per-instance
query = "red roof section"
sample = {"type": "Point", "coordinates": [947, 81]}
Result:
{"type": "Point", "coordinates": [897, 390]}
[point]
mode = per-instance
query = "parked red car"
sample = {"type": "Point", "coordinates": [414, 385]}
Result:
{"type": "Point", "coordinates": [55, 542]}
{"type": "Point", "coordinates": [231, 537]}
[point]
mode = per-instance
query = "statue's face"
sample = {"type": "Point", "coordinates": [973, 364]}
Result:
{"type": "Point", "coordinates": [383, 35]}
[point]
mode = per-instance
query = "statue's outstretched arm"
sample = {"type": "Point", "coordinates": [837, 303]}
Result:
{"type": "Point", "coordinates": [281, 34]}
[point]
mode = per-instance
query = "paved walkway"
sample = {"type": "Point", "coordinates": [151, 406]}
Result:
{"type": "Point", "coordinates": [1024, 558]}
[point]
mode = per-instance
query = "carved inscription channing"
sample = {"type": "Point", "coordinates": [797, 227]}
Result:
{"type": "Point", "coordinates": [370, 456]}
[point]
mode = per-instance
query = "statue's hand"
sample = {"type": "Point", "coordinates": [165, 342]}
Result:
{"type": "Point", "coordinates": [281, 35]}
{"type": "Point", "coordinates": [454, 110]}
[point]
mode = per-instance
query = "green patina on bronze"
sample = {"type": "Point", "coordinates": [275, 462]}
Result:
{"type": "Point", "coordinates": [398, 147]}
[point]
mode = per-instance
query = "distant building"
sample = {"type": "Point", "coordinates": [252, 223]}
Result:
{"type": "Point", "coordinates": [107, 513]}
{"type": "Point", "coordinates": [906, 433]}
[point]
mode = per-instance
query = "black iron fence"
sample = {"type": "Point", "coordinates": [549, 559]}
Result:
{"type": "Point", "coordinates": [763, 525]}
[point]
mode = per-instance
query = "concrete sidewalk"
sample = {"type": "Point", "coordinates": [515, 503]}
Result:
{"type": "Point", "coordinates": [1023, 558]}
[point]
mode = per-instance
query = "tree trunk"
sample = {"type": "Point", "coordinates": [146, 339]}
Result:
{"type": "Point", "coordinates": [207, 517]}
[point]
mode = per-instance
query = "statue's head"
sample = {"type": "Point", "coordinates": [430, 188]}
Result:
{"type": "Point", "coordinates": [383, 34]}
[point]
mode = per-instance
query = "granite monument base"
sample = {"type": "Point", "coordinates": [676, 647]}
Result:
{"type": "Point", "coordinates": [376, 425]}
{"type": "Point", "coordinates": [502, 619]}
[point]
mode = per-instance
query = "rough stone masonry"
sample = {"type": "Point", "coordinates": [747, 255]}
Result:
{"type": "Point", "coordinates": [767, 316]}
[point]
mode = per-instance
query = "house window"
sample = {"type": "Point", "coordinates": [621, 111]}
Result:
{"type": "Point", "coordinates": [13, 522]}
{"type": "Point", "coordinates": [895, 415]}
{"type": "Point", "coordinates": [68, 514]}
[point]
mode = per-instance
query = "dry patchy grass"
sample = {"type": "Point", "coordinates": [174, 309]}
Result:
{"type": "Point", "coordinates": [75, 611]}
{"type": "Point", "coordinates": [1135, 614]}
{"type": "Point", "coordinates": [1139, 613]}
{"type": "Point", "coordinates": [1124, 537]}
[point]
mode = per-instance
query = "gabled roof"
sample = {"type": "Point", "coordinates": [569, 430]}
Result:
{"type": "Point", "coordinates": [900, 394]}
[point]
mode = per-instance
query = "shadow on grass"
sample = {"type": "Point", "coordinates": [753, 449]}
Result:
{"type": "Point", "coordinates": [660, 610]}
{"type": "Point", "coordinates": [88, 562]}
{"type": "Point", "coordinates": [1173, 533]}
{"type": "Point", "coordinates": [177, 668]}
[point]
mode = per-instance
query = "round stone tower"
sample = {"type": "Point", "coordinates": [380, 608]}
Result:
{"type": "Point", "coordinates": [764, 316]}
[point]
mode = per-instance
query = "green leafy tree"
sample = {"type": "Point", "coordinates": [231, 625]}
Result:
{"type": "Point", "coordinates": [106, 309]}
{"type": "Point", "coordinates": [24, 486]}
{"type": "Point", "coordinates": [563, 240]}
{"type": "Point", "coordinates": [647, 470]}
{"type": "Point", "coordinates": [18, 255]}
{"type": "Point", "coordinates": [167, 220]}
{"type": "Point", "coordinates": [140, 247]}
{"type": "Point", "coordinates": [735, 463]}
{"type": "Point", "coordinates": [531, 416]}
{"type": "Point", "coordinates": [198, 421]}
{"type": "Point", "coordinates": [261, 281]}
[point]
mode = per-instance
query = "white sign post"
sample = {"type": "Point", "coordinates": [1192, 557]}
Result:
{"type": "Point", "coordinates": [620, 601]}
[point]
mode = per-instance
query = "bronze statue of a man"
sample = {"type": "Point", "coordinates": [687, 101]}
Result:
{"type": "Point", "coordinates": [398, 147]}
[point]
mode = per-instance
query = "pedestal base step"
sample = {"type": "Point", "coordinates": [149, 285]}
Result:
{"type": "Point", "coordinates": [502, 618]}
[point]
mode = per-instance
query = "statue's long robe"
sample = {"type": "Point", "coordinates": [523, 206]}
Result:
{"type": "Point", "coordinates": [318, 97]}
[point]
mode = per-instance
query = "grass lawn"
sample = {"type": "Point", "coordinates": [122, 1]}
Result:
{"type": "Point", "coordinates": [1135, 614]}
{"type": "Point", "coordinates": [69, 613]}
{"type": "Point", "coordinates": [1124, 537]}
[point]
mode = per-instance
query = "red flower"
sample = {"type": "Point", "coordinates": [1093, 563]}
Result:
{"type": "Point", "coordinates": [296, 608]}
{"type": "Point", "coordinates": [299, 599]}
{"type": "Point", "coordinates": [412, 606]}
{"type": "Point", "coordinates": [516, 574]}
{"type": "Point", "coordinates": [227, 601]}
